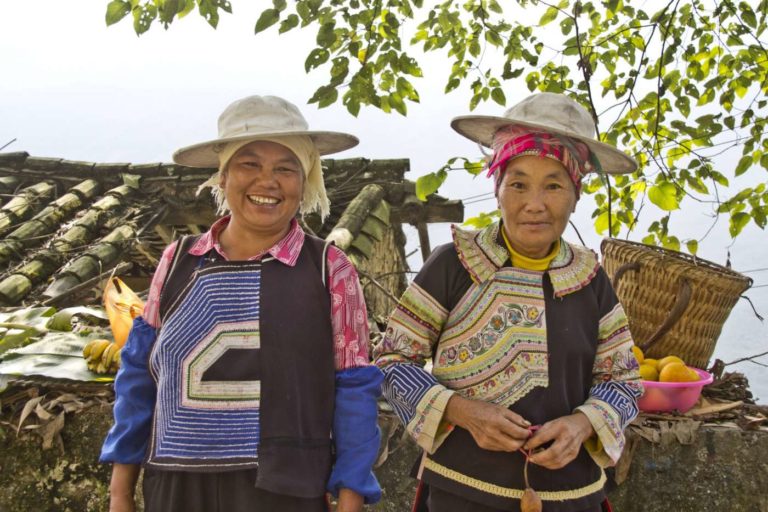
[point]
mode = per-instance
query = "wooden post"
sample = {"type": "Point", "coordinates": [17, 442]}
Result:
{"type": "Point", "coordinates": [426, 250]}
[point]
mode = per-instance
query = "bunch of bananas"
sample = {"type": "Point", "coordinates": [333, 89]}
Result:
{"type": "Point", "coordinates": [102, 356]}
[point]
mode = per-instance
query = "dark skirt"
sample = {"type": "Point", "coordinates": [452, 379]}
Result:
{"type": "Point", "coordinates": [231, 491]}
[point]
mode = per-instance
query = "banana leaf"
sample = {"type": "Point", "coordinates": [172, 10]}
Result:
{"type": "Point", "coordinates": [59, 355]}
{"type": "Point", "coordinates": [20, 327]}
{"type": "Point", "coordinates": [66, 319]}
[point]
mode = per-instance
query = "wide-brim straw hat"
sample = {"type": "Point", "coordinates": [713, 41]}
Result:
{"type": "Point", "coordinates": [256, 117]}
{"type": "Point", "coordinates": [552, 113]}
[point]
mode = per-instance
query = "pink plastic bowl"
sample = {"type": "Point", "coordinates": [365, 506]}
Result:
{"type": "Point", "coordinates": [668, 396]}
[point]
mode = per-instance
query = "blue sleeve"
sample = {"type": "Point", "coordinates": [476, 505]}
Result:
{"type": "Point", "coordinates": [356, 432]}
{"type": "Point", "coordinates": [405, 385]}
{"type": "Point", "coordinates": [621, 396]}
{"type": "Point", "coordinates": [135, 394]}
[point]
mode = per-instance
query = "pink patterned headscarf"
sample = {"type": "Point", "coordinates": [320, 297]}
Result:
{"type": "Point", "coordinates": [513, 141]}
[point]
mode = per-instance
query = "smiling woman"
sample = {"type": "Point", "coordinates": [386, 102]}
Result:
{"type": "Point", "coordinates": [228, 403]}
{"type": "Point", "coordinates": [263, 185]}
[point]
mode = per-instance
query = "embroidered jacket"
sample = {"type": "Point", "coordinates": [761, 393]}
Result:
{"type": "Point", "coordinates": [542, 343]}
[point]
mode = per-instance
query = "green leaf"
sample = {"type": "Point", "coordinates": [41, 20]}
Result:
{"type": "Point", "coordinates": [66, 319]}
{"type": "Point", "coordinates": [664, 196]}
{"type": "Point", "coordinates": [292, 21]}
{"type": "Point", "coordinates": [429, 183]}
{"type": "Point", "coordinates": [566, 26]}
{"type": "Point", "coordinates": [671, 242]}
{"type": "Point", "coordinates": [483, 219]}
{"type": "Point", "coordinates": [352, 103]}
{"type": "Point", "coordinates": [498, 96]}
{"type": "Point", "coordinates": [737, 223]}
{"type": "Point", "coordinates": [474, 168]}
{"type": "Point", "coordinates": [693, 246]}
{"type": "Point", "coordinates": [748, 16]}
{"type": "Point", "coordinates": [493, 37]}
{"type": "Point", "coordinates": [326, 36]}
{"type": "Point", "coordinates": [187, 8]}
{"type": "Point", "coordinates": [268, 18]}
{"type": "Point", "coordinates": [58, 355]}
{"type": "Point", "coordinates": [20, 327]}
{"type": "Point", "coordinates": [744, 163]}
{"type": "Point", "coordinates": [316, 57]}
{"type": "Point", "coordinates": [601, 223]}
{"type": "Point", "coordinates": [325, 96]}
{"type": "Point", "coordinates": [117, 10]}
{"type": "Point", "coordinates": [549, 16]}
{"type": "Point", "coordinates": [143, 16]}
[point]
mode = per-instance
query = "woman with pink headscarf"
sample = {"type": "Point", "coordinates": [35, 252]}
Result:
{"type": "Point", "coordinates": [533, 379]}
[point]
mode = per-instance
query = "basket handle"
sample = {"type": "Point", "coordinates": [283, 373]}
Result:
{"type": "Point", "coordinates": [623, 270]}
{"type": "Point", "coordinates": [682, 298]}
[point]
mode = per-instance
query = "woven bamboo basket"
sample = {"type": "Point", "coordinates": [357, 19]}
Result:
{"type": "Point", "coordinates": [676, 304]}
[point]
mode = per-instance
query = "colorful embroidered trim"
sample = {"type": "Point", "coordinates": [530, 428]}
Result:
{"type": "Point", "coordinates": [481, 254]}
{"type": "Point", "coordinates": [494, 343]}
{"type": "Point", "coordinates": [508, 492]}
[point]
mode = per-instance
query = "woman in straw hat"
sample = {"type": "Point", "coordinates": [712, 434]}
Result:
{"type": "Point", "coordinates": [530, 347]}
{"type": "Point", "coordinates": [228, 402]}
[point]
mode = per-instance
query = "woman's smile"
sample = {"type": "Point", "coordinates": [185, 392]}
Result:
{"type": "Point", "coordinates": [263, 184]}
{"type": "Point", "coordinates": [263, 200]}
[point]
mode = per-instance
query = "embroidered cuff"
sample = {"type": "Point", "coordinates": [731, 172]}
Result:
{"type": "Point", "coordinates": [609, 444]}
{"type": "Point", "coordinates": [427, 426]}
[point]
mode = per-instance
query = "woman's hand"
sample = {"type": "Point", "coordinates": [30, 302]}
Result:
{"type": "Point", "coordinates": [567, 434]}
{"type": "Point", "coordinates": [349, 501]}
{"type": "Point", "coordinates": [492, 426]}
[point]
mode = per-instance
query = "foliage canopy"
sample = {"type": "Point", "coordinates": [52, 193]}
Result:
{"type": "Point", "coordinates": [680, 84]}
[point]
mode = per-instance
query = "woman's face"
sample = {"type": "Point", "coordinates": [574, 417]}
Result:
{"type": "Point", "coordinates": [263, 184]}
{"type": "Point", "coordinates": [536, 198]}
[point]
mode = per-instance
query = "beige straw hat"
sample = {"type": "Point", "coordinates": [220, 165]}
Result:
{"type": "Point", "coordinates": [552, 113]}
{"type": "Point", "coordinates": [256, 117]}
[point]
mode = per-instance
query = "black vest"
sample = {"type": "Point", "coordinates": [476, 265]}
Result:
{"type": "Point", "coordinates": [295, 363]}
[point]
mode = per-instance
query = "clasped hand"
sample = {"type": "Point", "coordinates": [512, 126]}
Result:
{"type": "Point", "coordinates": [494, 427]}
{"type": "Point", "coordinates": [566, 434]}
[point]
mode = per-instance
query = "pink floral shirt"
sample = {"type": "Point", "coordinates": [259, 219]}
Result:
{"type": "Point", "coordinates": [348, 314]}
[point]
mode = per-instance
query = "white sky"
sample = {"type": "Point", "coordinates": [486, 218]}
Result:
{"type": "Point", "coordinates": [72, 88]}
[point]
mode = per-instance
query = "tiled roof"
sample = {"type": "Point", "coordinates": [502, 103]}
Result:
{"type": "Point", "coordinates": [65, 225]}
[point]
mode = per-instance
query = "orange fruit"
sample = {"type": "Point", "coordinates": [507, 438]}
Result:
{"type": "Point", "coordinates": [638, 354]}
{"type": "Point", "coordinates": [648, 372]}
{"type": "Point", "coordinates": [664, 361]}
{"type": "Point", "coordinates": [651, 361]}
{"type": "Point", "coordinates": [677, 372]}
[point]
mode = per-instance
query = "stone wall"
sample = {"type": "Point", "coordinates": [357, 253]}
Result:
{"type": "Point", "coordinates": [722, 469]}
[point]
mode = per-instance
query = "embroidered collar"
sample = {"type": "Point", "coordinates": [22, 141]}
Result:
{"type": "Point", "coordinates": [286, 250]}
{"type": "Point", "coordinates": [482, 256]}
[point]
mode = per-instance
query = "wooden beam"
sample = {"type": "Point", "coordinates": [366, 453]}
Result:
{"type": "Point", "coordinates": [165, 232]}
{"type": "Point", "coordinates": [353, 218]}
